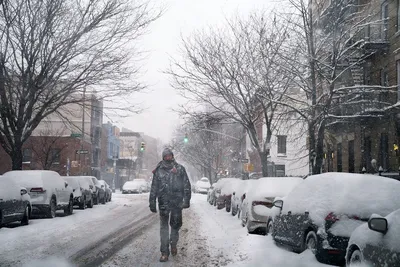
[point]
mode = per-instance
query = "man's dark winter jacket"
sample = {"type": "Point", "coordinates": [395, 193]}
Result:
{"type": "Point", "coordinates": [171, 186]}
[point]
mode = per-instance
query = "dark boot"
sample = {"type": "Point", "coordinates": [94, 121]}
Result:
{"type": "Point", "coordinates": [174, 250]}
{"type": "Point", "coordinates": [164, 258]}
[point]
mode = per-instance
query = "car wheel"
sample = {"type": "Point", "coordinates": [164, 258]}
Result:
{"type": "Point", "coordinates": [355, 257]}
{"type": "Point", "coordinates": [270, 226]}
{"type": "Point", "coordinates": [1, 219]}
{"type": "Point", "coordinates": [51, 213]}
{"type": "Point", "coordinates": [83, 205]}
{"type": "Point", "coordinates": [90, 205]}
{"type": "Point", "coordinates": [228, 208]}
{"type": "Point", "coordinates": [25, 218]}
{"type": "Point", "coordinates": [70, 208]}
{"type": "Point", "coordinates": [312, 242]}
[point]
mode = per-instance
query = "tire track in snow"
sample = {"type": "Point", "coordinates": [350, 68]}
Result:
{"type": "Point", "coordinates": [107, 246]}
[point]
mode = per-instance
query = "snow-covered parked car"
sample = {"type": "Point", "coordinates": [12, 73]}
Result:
{"type": "Point", "coordinates": [223, 190]}
{"type": "Point", "coordinates": [93, 188]}
{"type": "Point", "coordinates": [376, 243]}
{"type": "Point", "coordinates": [239, 195]}
{"type": "Point", "coordinates": [48, 191]}
{"type": "Point", "coordinates": [137, 186]}
{"type": "Point", "coordinates": [257, 213]}
{"type": "Point", "coordinates": [107, 190]}
{"type": "Point", "coordinates": [100, 189]}
{"type": "Point", "coordinates": [80, 197]}
{"type": "Point", "coordinates": [86, 187]}
{"type": "Point", "coordinates": [15, 202]}
{"type": "Point", "coordinates": [322, 212]}
{"type": "Point", "coordinates": [202, 186]}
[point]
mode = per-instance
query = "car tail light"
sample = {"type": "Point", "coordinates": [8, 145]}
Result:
{"type": "Point", "coordinates": [355, 218]}
{"type": "Point", "coordinates": [38, 189]}
{"type": "Point", "coordinates": [331, 217]}
{"type": "Point", "coordinates": [266, 204]}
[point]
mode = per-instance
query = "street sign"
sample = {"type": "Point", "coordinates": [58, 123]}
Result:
{"type": "Point", "coordinates": [244, 160]}
{"type": "Point", "coordinates": [76, 135]}
{"type": "Point", "coordinates": [82, 152]}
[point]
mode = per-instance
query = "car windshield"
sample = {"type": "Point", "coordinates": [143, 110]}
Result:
{"type": "Point", "coordinates": [199, 133]}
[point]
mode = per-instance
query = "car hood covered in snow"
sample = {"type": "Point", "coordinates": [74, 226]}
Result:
{"type": "Point", "coordinates": [133, 185]}
{"type": "Point", "coordinates": [350, 194]}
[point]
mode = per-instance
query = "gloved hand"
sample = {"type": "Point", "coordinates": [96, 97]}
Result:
{"type": "Point", "coordinates": [185, 205]}
{"type": "Point", "coordinates": [153, 207]}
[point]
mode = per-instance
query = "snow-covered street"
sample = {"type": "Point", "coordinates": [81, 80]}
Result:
{"type": "Point", "coordinates": [124, 233]}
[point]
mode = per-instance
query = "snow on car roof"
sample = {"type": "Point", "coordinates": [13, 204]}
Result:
{"type": "Point", "coordinates": [268, 187]}
{"type": "Point", "coordinates": [363, 235]}
{"type": "Point", "coordinates": [204, 179]}
{"type": "Point", "coordinates": [343, 193]}
{"type": "Point", "coordinates": [74, 183]}
{"type": "Point", "coordinates": [34, 178]}
{"type": "Point", "coordinates": [231, 186]}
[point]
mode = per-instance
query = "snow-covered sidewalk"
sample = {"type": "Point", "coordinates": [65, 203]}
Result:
{"type": "Point", "coordinates": [229, 244]}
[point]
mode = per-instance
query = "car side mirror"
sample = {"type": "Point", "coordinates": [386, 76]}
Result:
{"type": "Point", "coordinates": [91, 186]}
{"type": "Point", "coordinates": [378, 225]}
{"type": "Point", "coordinates": [66, 184]}
{"type": "Point", "coordinates": [23, 191]}
{"type": "Point", "coordinates": [278, 204]}
{"type": "Point", "coordinates": [73, 190]}
{"type": "Point", "coordinates": [233, 193]}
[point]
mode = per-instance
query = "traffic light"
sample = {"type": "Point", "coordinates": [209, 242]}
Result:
{"type": "Point", "coordinates": [185, 139]}
{"type": "Point", "coordinates": [142, 146]}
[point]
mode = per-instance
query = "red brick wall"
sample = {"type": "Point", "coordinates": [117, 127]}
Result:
{"type": "Point", "coordinates": [40, 144]}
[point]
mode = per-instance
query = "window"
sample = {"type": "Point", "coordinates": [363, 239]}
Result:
{"type": "Point", "coordinates": [385, 19]}
{"type": "Point", "coordinates": [367, 156]}
{"type": "Point", "coordinates": [27, 155]}
{"type": "Point", "coordinates": [351, 157]}
{"type": "Point", "coordinates": [398, 16]}
{"type": "Point", "coordinates": [280, 170]}
{"type": "Point", "coordinates": [398, 79]}
{"type": "Point", "coordinates": [339, 158]}
{"type": "Point", "coordinates": [384, 77]}
{"type": "Point", "coordinates": [384, 152]}
{"type": "Point", "coordinates": [55, 156]}
{"type": "Point", "coordinates": [281, 144]}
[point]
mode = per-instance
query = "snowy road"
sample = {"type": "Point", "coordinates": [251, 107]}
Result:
{"type": "Point", "coordinates": [79, 238]}
{"type": "Point", "coordinates": [124, 233]}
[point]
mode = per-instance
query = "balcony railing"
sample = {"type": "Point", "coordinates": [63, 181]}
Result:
{"type": "Point", "coordinates": [363, 101]}
{"type": "Point", "coordinates": [374, 35]}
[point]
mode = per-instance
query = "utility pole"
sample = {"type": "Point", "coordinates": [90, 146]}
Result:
{"type": "Point", "coordinates": [83, 130]}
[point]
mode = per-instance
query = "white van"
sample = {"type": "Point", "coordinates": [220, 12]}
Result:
{"type": "Point", "coordinates": [48, 191]}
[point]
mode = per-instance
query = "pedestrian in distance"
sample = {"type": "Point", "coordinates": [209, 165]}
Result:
{"type": "Point", "coordinates": [171, 187]}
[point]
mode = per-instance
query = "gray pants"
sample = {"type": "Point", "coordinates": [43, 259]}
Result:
{"type": "Point", "coordinates": [174, 216]}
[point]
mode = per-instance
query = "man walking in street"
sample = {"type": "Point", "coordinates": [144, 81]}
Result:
{"type": "Point", "coordinates": [171, 186]}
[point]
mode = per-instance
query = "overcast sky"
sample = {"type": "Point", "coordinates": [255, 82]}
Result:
{"type": "Point", "coordinates": [162, 41]}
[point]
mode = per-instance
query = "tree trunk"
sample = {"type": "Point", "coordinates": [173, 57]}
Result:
{"type": "Point", "coordinates": [16, 156]}
{"type": "Point", "coordinates": [264, 162]}
{"type": "Point", "coordinates": [319, 149]}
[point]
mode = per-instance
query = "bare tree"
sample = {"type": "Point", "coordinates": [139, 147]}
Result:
{"type": "Point", "coordinates": [328, 50]}
{"type": "Point", "coordinates": [236, 71]}
{"type": "Point", "coordinates": [51, 52]}
{"type": "Point", "coordinates": [47, 148]}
